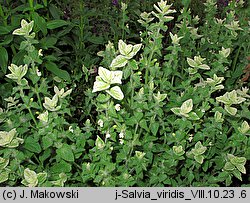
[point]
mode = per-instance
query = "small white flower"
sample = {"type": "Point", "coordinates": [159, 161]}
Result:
{"type": "Point", "coordinates": [108, 135]}
{"type": "Point", "coordinates": [117, 107]}
{"type": "Point", "coordinates": [121, 141]}
{"type": "Point", "coordinates": [38, 72]}
{"type": "Point", "coordinates": [121, 135]}
{"type": "Point", "coordinates": [44, 116]}
{"type": "Point", "coordinates": [88, 166]}
{"type": "Point", "coordinates": [40, 52]}
{"type": "Point", "coordinates": [71, 129]}
{"type": "Point", "coordinates": [100, 123]}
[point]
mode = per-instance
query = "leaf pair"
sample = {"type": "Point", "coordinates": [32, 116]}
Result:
{"type": "Point", "coordinates": [196, 63]}
{"type": "Point", "coordinates": [17, 72]}
{"type": "Point", "coordinates": [105, 79]}
{"type": "Point", "coordinates": [230, 98]}
{"type": "Point", "coordinates": [9, 139]}
{"type": "Point", "coordinates": [127, 51]}
{"type": "Point", "coordinates": [25, 29]}
{"type": "Point", "coordinates": [32, 179]}
{"type": "Point", "coordinates": [185, 110]}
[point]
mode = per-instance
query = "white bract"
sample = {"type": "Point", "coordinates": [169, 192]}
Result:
{"type": "Point", "coordinates": [225, 52]}
{"type": "Point", "coordinates": [175, 39]}
{"type": "Point", "coordinates": [215, 82]}
{"type": "Point", "coordinates": [127, 51]}
{"type": "Point", "coordinates": [51, 104]}
{"type": "Point", "coordinates": [44, 116]}
{"type": "Point", "coordinates": [105, 79]}
{"type": "Point", "coordinates": [198, 152]}
{"type": "Point", "coordinates": [185, 110]}
{"type": "Point", "coordinates": [159, 97]}
{"type": "Point", "coordinates": [17, 72]}
{"type": "Point", "coordinates": [99, 143]}
{"type": "Point", "coordinates": [61, 93]}
{"type": "Point", "coordinates": [196, 63]}
{"type": "Point", "coordinates": [32, 179]}
{"type": "Point", "coordinates": [230, 98]}
{"type": "Point", "coordinates": [139, 154]}
{"type": "Point", "coordinates": [244, 127]}
{"type": "Point", "coordinates": [9, 139]}
{"type": "Point", "coordinates": [25, 29]}
{"type": "Point", "coordinates": [163, 10]}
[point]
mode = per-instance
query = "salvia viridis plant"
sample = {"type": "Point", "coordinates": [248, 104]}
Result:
{"type": "Point", "coordinates": [168, 107]}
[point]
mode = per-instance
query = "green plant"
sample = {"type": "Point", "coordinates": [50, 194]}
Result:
{"type": "Point", "coordinates": [159, 111]}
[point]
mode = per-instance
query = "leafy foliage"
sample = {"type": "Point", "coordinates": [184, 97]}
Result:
{"type": "Point", "coordinates": [164, 106]}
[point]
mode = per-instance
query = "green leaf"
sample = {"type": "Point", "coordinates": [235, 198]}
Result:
{"type": "Point", "coordinates": [61, 167]}
{"type": "Point", "coordinates": [138, 116]}
{"type": "Point", "coordinates": [55, 12]}
{"type": "Point", "coordinates": [18, 58]}
{"type": "Point", "coordinates": [53, 24]}
{"type": "Point", "coordinates": [229, 166]}
{"type": "Point", "coordinates": [96, 40]}
{"type": "Point", "coordinates": [4, 175]}
{"type": "Point", "coordinates": [52, 67]}
{"type": "Point", "coordinates": [40, 23]}
{"type": "Point", "coordinates": [199, 158]}
{"type": "Point", "coordinates": [4, 30]}
{"type": "Point", "coordinates": [66, 153]}
{"type": "Point", "coordinates": [178, 150]}
{"type": "Point", "coordinates": [241, 168]}
{"type": "Point", "coordinates": [116, 92]}
{"type": "Point", "coordinates": [223, 176]}
{"type": "Point", "coordinates": [46, 142]}
{"type": "Point", "coordinates": [119, 61]}
{"type": "Point", "coordinates": [231, 110]}
{"type": "Point", "coordinates": [143, 124]}
{"type": "Point", "coordinates": [41, 177]}
{"type": "Point", "coordinates": [154, 127]}
{"type": "Point", "coordinates": [48, 42]}
{"type": "Point", "coordinates": [176, 110]}
{"type": "Point", "coordinates": [3, 59]}
{"type": "Point", "coordinates": [32, 145]}
{"type": "Point", "coordinates": [193, 116]}
{"type": "Point", "coordinates": [237, 174]}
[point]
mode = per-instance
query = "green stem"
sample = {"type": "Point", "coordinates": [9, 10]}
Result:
{"type": "Point", "coordinates": [236, 58]}
{"type": "Point", "coordinates": [150, 59]}
{"type": "Point", "coordinates": [13, 49]}
{"type": "Point", "coordinates": [81, 28]}
{"type": "Point", "coordinates": [27, 107]}
{"type": "Point", "coordinates": [38, 97]}
{"type": "Point", "coordinates": [132, 147]}
{"type": "Point", "coordinates": [31, 3]}
{"type": "Point", "coordinates": [3, 16]}
{"type": "Point", "coordinates": [132, 92]}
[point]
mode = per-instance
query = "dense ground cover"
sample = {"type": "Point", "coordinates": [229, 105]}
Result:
{"type": "Point", "coordinates": [133, 93]}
